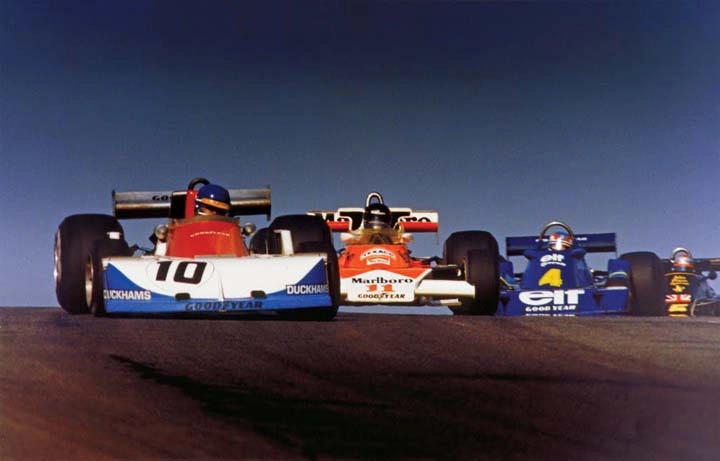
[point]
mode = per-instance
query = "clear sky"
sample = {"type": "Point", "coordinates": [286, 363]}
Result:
{"type": "Point", "coordinates": [499, 115]}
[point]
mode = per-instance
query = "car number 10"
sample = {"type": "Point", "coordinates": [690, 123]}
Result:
{"type": "Point", "coordinates": [184, 271]}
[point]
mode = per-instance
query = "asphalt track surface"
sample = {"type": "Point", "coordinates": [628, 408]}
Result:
{"type": "Point", "coordinates": [365, 386]}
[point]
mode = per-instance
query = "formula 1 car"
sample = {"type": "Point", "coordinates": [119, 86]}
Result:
{"type": "Point", "coordinates": [687, 291]}
{"type": "Point", "coordinates": [557, 279]}
{"type": "Point", "coordinates": [198, 264]}
{"type": "Point", "coordinates": [376, 266]}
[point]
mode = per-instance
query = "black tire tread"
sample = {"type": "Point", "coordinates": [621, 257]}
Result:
{"type": "Point", "coordinates": [77, 233]}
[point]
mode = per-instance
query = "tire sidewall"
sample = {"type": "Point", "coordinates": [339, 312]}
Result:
{"type": "Point", "coordinates": [459, 243]}
{"type": "Point", "coordinates": [647, 283]}
{"type": "Point", "coordinates": [101, 248]}
{"type": "Point", "coordinates": [310, 234]}
{"type": "Point", "coordinates": [482, 270]}
{"type": "Point", "coordinates": [73, 240]}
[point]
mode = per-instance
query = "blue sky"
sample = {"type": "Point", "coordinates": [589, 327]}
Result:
{"type": "Point", "coordinates": [500, 115]}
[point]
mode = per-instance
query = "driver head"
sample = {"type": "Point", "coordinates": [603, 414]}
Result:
{"type": "Point", "coordinates": [682, 260]}
{"type": "Point", "coordinates": [377, 216]}
{"type": "Point", "coordinates": [212, 200]}
{"type": "Point", "coordinates": [559, 241]}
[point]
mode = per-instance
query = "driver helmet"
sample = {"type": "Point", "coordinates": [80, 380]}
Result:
{"type": "Point", "coordinates": [559, 241]}
{"type": "Point", "coordinates": [682, 260]}
{"type": "Point", "coordinates": [377, 216]}
{"type": "Point", "coordinates": [212, 200]}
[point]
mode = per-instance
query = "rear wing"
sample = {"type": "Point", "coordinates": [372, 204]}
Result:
{"type": "Point", "coordinates": [592, 243]}
{"type": "Point", "coordinates": [707, 264]}
{"type": "Point", "coordinates": [174, 204]}
{"type": "Point", "coordinates": [349, 218]}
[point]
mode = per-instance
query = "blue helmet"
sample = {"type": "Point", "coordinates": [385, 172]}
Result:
{"type": "Point", "coordinates": [212, 199]}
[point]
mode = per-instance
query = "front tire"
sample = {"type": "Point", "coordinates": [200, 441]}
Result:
{"type": "Point", "coordinates": [310, 234]}
{"type": "Point", "coordinates": [73, 241]}
{"type": "Point", "coordinates": [476, 253]}
{"type": "Point", "coordinates": [647, 283]}
{"type": "Point", "coordinates": [482, 270]}
{"type": "Point", "coordinates": [94, 280]}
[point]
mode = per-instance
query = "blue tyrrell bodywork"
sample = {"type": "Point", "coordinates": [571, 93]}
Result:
{"type": "Point", "coordinates": [559, 281]}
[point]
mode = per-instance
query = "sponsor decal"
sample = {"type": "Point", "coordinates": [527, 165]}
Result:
{"type": "Point", "coordinates": [679, 283]}
{"type": "Point", "coordinates": [306, 289]}
{"type": "Point", "coordinates": [685, 298]}
{"type": "Point", "coordinates": [552, 277]}
{"type": "Point", "coordinates": [382, 296]}
{"type": "Point", "coordinates": [381, 280]}
{"type": "Point", "coordinates": [374, 252]}
{"type": "Point", "coordinates": [127, 295]}
{"type": "Point", "coordinates": [677, 309]}
{"type": "Point", "coordinates": [198, 234]}
{"type": "Point", "coordinates": [378, 292]}
{"type": "Point", "coordinates": [378, 260]}
{"type": "Point", "coordinates": [549, 309]}
{"type": "Point", "coordinates": [222, 306]}
{"type": "Point", "coordinates": [381, 287]}
{"type": "Point", "coordinates": [552, 259]}
{"type": "Point", "coordinates": [550, 301]}
{"type": "Point", "coordinates": [377, 256]}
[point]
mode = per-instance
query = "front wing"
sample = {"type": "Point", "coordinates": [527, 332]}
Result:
{"type": "Point", "coordinates": [565, 302]}
{"type": "Point", "coordinates": [401, 286]}
{"type": "Point", "coordinates": [165, 285]}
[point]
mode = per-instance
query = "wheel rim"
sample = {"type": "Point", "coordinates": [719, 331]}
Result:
{"type": "Point", "coordinates": [89, 276]}
{"type": "Point", "coordinates": [57, 255]}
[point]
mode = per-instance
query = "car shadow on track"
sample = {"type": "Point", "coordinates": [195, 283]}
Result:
{"type": "Point", "coordinates": [314, 427]}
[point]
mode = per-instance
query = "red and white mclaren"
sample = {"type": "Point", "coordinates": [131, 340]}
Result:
{"type": "Point", "coordinates": [376, 265]}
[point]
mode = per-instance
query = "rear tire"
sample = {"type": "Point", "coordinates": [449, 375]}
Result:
{"type": "Point", "coordinates": [259, 242]}
{"type": "Point", "coordinates": [459, 243]}
{"type": "Point", "coordinates": [647, 283]}
{"type": "Point", "coordinates": [94, 280]}
{"type": "Point", "coordinates": [73, 240]}
{"type": "Point", "coordinates": [310, 234]}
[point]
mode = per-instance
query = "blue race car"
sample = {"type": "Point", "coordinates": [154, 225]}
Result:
{"type": "Point", "coordinates": [687, 291]}
{"type": "Point", "coordinates": [558, 281]}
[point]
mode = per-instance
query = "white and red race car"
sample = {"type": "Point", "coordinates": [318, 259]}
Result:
{"type": "Point", "coordinates": [199, 264]}
{"type": "Point", "coordinates": [376, 266]}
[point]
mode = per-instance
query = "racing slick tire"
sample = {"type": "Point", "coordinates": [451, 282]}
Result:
{"type": "Point", "coordinates": [482, 270]}
{"type": "Point", "coordinates": [310, 234]}
{"type": "Point", "coordinates": [647, 283]}
{"type": "Point", "coordinates": [458, 244]}
{"type": "Point", "coordinates": [94, 285]}
{"type": "Point", "coordinates": [73, 240]}
{"type": "Point", "coordinates": [259, 242]}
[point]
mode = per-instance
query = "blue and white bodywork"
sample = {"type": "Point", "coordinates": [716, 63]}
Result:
{"type": "Point", "coordinates": [558, 281]}
{"type": "Point", "coordinates": [200, 263]}
{"type": "Point", "coordinates": [162, 285]}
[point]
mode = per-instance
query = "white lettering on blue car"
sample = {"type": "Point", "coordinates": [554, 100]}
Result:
{"type": "Point", "coordinates": [127, 295]}
{"type": "Point", "coordinates": [552, 259]}
{"type": "Point", "coordinates": [306, 289]}
{"type": "Point", "coordinates": [545, 297]}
